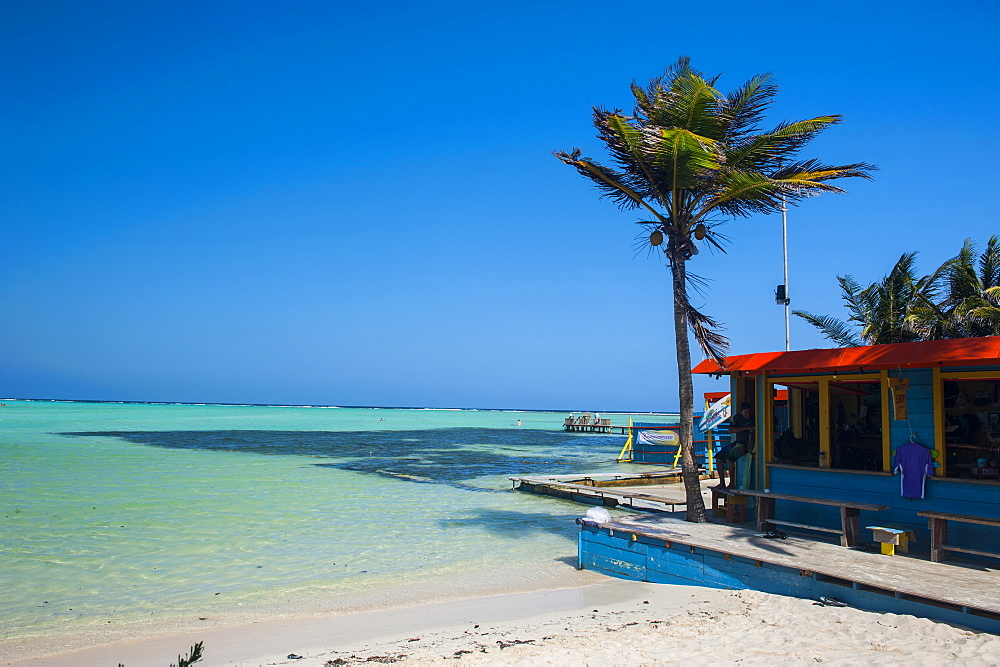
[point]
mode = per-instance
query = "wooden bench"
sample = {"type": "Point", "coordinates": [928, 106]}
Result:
{"type": "Point", "coordinates": [850, 526]}
{"type": "Point", "coordinates": [938, 523]}
{"type": "Point", "coordinates": [733, 507]}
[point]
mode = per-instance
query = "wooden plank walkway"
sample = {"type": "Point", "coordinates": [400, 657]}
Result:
{"type": "Point", "coordinates": [657, 490]}
{"type": "Point", "coordinates": [971, 586]}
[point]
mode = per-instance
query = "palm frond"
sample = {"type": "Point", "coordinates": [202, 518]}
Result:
{"type": "Point", "coordinates": [611, 183]}
{"type": "Point", "coordinates": [626, 143]}
{"type": "Point", "coordinates": [693, 104]}
{"type": "Point", "coordinates": [986, 320]}
{"type": "Point", "coordinates": [680, 156]}
{"type": "Point", "coordinates": [989, 263]}
{"type": "Point", "coordinates": [697, 283]}
{"type": "Point", "coordinates": [717, 240]}
{"type": "Point", "coordinates": [961, 275]}
{"type": "Point", "coordinates": [770, 149]}
{"type": "Point", "coordinates": [706, 330]}
{"type": "Point", "coordinates": [790, 136]}
{"type": "Point", "coordinates": [804, 172]}
{"type": "Point", "coordinates": [682, 98]}
{"type": "Point", "coordinates": [744, 107]}
{"type": "Point", "coordinates": [743, 193]}
{"type": "Point", "coordinates": [850, 292]}
{"type": "Point", "coordinates": [838, 331]}
{"type": "Point", "coordinates": [926, 322]}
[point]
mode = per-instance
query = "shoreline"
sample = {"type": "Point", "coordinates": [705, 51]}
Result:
{"type": "Point", "coordinates": [439, 588]}
{"type": "Point", "coordinates": [435, 590]}
{"type": "Point", "coordinates": [262, 633]}
{"type": "Point", "coordinates": [611, 622]}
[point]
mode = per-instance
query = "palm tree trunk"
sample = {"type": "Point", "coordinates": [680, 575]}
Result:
{"type": "Point", "coordinates": [685, 383]}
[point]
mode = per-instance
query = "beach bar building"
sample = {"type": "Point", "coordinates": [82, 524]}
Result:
{"type": "Point", "coordinates": [847, 412]}
{"type": "Point", "coordinates": [828, 463]}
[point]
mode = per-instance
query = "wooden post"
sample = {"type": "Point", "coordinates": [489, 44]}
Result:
{"type": "Point", "coordinates": [765, 437]}
{"type": "Point", "coordinates": [824, 423]}
{"type": "Point", "coordinates": [736, 509]}
{"type": "Point", "coordinates": [939, 417]}
{"type": "Point", "coordinates": [851, 526]}
{"type": "Point", "coordinates": [886, 422]}
{"type": "Point", "coordinates": [939, 536]}
{"type": "Point", "coordinates": [719, 502]}
{"type": "Point", "coordinates": [903, 545]}
{"type": "Point", "coordinates": [765, 512]}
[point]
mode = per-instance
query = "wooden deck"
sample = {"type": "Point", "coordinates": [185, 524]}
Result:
{"type": "Point", "coordinates": [971, 588]}
{"type": "Point", "coordinates": [659, 490]}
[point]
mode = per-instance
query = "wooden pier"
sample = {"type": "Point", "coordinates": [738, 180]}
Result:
{"type": "Point", "coordinates": [659, 490]}
{"type": "Point", "coordinates": [590, 425]}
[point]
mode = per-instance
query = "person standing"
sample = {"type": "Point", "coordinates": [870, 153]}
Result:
{"type": "Point", "coordinates": [740, 444]}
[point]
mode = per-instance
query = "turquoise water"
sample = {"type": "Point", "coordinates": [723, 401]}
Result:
{"type": "Point", "coordinates": [119, 512]}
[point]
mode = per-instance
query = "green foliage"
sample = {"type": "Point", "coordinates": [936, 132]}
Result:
{"type": "Point", "coordinates": [194, 655]}
{"type": "Point", "coordinates": [961, 299]}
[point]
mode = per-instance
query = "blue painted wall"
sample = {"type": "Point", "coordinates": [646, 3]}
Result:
{"type": "Point", "coordinates": [920, 409]}
{"type": "Point", "coordinates": [645, 559]}
{"type": "Point", "coordinates": [941, 495]}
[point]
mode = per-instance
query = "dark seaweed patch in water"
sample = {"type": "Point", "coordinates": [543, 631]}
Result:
{"type": "Point", "coordinates": [432, 456]}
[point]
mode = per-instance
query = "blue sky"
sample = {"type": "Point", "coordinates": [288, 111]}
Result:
{"type": "Point", "coordinates": [356, 204]}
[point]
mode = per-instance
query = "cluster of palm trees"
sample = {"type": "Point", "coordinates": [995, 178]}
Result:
{"type": "Point", "coordinates": [688, 158]}
{"type": "Point", "coordinates": [961, 299]}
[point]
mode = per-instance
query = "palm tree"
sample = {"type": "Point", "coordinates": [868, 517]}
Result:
{"type": "Point", "coordinates": [687, 157]}
{"type": "Point", "coordinates": [899, 308]}
{"type": "Point", "coordinates": [971, 306]}
{"type": "Point", "coordinates": [955, 301]}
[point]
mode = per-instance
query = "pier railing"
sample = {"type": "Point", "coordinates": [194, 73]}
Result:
{"type": "Point", "coordinates": [656, 451]}
{"type": "Point", "coordinates": [637, 451]}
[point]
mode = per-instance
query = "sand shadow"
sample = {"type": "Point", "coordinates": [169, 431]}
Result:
{"type": "Point", "coordinates": [505, 523]}
{"type": "Point", "coordinates": [569, 560]}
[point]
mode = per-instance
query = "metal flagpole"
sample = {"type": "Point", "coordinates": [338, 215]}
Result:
{"type": "Point", "coordinates": [784, 245]}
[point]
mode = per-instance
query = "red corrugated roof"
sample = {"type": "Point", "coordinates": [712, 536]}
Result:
{"type": "Point", "coordinates": [953, 352]}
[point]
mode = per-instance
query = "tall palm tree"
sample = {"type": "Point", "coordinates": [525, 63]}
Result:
{"type": "Point", "coordinates": [687, 157]}
{"type": "Point", "coordinates": [899, 308]}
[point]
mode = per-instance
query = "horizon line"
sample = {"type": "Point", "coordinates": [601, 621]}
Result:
{"type": "Point", "coordinates": [321, 405]}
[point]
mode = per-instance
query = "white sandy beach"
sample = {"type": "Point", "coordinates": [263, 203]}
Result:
{"type": "Point", "coordinates": [606, 623]}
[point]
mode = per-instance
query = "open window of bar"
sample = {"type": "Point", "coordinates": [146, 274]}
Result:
{"type": "Point", "coordinates": [972, 427]}
{"type": "Point", "coordinates": [856, 425]}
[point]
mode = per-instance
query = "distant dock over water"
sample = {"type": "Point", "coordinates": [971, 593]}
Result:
{"type": "Point", "coordinates": [587, 423]}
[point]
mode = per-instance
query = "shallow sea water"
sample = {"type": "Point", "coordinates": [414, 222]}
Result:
{"type": "Point", "coordinates": [121, 512]}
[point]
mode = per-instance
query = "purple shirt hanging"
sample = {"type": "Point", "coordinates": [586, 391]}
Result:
{"type": "Point", "coordinates": [915, 464]}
